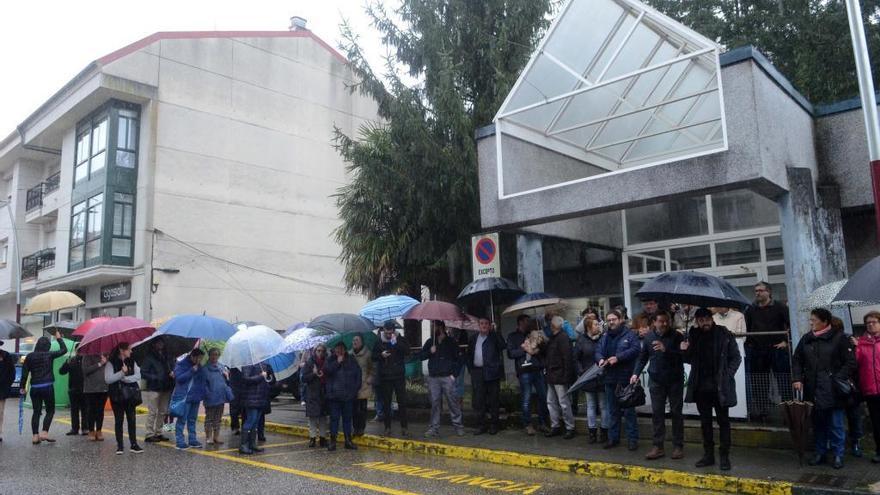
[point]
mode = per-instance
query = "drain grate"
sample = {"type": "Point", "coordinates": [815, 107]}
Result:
{"type": "Point", "coordinates": [823, 480]}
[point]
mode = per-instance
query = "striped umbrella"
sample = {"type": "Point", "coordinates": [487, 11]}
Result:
{"type": "Point", "coordinates": [387, 308]}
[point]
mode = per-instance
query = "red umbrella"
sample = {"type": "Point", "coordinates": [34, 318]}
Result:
{"type": "Point", "coordinates": [87, 325]}
{"type": "Point", "coordinates": [104, 337]}
{"type": "Point", "coordinates": [435, 310]}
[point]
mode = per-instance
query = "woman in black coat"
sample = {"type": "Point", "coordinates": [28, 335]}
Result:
{"type": "Point", "coordinates": [73, 369]}
{"type": "Point", "coordinates": [316, 405]}
{"type": "Point", "coordinates": [7, 376]}
{"type": "Point", "coordinates": [38, 365]}
{"type": "Point", "coordinates": [343, 375]}
{"type": "Point", "coordinates": [254, 390]}
{"type": "Point", "coordinates": [824, 359]}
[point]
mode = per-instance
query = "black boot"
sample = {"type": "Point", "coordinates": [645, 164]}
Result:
{"type": "Point", "coordinates": [312, 442]}
{"type": "Point", "coordinates": [322, 441]}
{"type": "Point", "coordinates": [245, 447]}
{"type": "Point", "coordinates": [592, 436]}
{"type": "Point", "coordinates": [253, 442]}
{"type": "Point", "coordinates": [332, 445]}
{"type": "Point", "coordinates": [603, 435]}
{"type": "Point", "coordinates": [708, 458]}
{"type": "Point", "coordinates": [724, 462]}
{"type": "Point", "coordinates": [349, 444]}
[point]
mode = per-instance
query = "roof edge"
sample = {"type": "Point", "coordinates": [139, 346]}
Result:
{"type": "Point", "coordinates": [749, 52]}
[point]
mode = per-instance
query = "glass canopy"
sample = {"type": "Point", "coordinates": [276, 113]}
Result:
{"type": "Point", "coordinates": [616, 84]}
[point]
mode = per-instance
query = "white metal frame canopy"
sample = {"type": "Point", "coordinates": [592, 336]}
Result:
{"type": "Point", "coordinates": [617, 85]}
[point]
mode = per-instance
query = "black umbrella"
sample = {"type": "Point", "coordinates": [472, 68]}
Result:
{"type": "Point", "coordinates": [694, 288]}
{"type": "Point", "coordinates": [797, 415]}
{"type": "Point", "coordinates": [342, 323]}
{"type": "Point", "coordinates": [66, 327]}
{"type": "Point", "coordinates": [490, 291]}
{"type": "Point", "coordinates": [592, 373]}
{"type": "Point", "coordinates": [12, 330]}
{"type": "Point", "coordinates": [863, 285]}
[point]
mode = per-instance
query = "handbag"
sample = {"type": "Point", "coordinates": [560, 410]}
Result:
{"type": "Point", "coordinates": [131, 393]}
{"type": "Point", "coordinates": [177, 407]}
{"type": "Point", "coordinates": [632, 395]}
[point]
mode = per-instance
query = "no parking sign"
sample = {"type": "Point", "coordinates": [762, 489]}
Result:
{"type": "Point", "coordinates": [485, 259]}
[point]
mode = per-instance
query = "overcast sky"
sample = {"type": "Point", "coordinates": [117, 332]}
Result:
{"type": "Point", "coordinates": [44, 43]}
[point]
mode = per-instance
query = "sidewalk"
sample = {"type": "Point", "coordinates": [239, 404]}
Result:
{"type": "Point", "coordinates": [755, 471]}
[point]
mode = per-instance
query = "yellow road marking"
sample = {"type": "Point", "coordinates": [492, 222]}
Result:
{"type": "Point", "coordinates": [287, 470]}
{"type": "Point", "coordinates": [265, 446]}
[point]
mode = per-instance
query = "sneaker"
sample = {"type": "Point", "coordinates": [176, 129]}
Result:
{"type": "Point", "coordinates": [460, 431]}
{"type": "Point", "coordinates": [195, 444]}
{"type": "Point", "coordinates": [136, 449]}
{"type": "Point", "coordinates": [181, 447]}
{"type": "Point", "coordinates": [530, 430]}
{"type": "Point", "coordinates": [569, 434]}
{"type": "Point", "coordinates": [152, 439]}
{"type": "Point", "coordinates": [119, 451]}
{"type": "Point", "coordinates": [678, 453]}
{"type": "Point", "coordinates": [632, 446]}
{"type": "Point", "coordinates": [71, 433]}
{"type": "Point", "coordinates": [432, 433]}
{"type": "Point", "coordinates": [655, 453]}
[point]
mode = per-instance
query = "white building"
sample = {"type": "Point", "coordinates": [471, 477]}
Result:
{"type": "Point", "coordinates": [186, 172]}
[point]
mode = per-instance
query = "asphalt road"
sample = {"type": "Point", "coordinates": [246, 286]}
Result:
{"type": "Point", "coordinates": [76, 465]}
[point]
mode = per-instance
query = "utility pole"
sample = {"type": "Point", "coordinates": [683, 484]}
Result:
{"type": "Point", "coordinates": [869, 101]}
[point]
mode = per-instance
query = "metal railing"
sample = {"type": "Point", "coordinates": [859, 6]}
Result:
{"type": "Point", "coordinates": [33, 264]}
{"type": "Point", "coordinates": [52, 182]}
{"type": "Point", "coordinates": [36, 193]}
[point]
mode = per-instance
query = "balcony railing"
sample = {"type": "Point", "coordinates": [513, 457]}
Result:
{"type": "Point", "coordinates": [33, 264]}
{"type": "Point", "coordinates": [36, 193]}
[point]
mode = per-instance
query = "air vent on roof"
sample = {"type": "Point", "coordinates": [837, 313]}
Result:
{"type": "Point", "coordinates": [298, 24]}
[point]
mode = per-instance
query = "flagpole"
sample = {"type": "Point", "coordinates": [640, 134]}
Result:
{"type": "Point", "coordinates": [869, 101]}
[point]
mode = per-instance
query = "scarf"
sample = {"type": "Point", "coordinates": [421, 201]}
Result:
{"type": "Point", "coordinates": [319, 361]}
{"type": "Point", "coordinates": [819, 333]}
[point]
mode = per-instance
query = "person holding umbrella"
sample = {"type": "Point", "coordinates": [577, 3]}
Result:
{"type": "Point", "coordinates": [95, 394]}
{"type": "Point", "coordinates": [189, 375]}
{"type": "Point", "coordinates": [822, 360]}
{"type": "Point", "coordinates": [390, 354]}
{"type": "Point", "coordinates": [486, 365]}
{"type": "Point", "coordinates": [443, 357]}
{"type": "Point", "coordinates": [38, 365]}
{"type": "Point", "coordinates": [7, 376]}
{"type": "Point", "coordinates": [530, 373]}
{"type": "Point", "coordinates": [158, 374]}
{"type": "Point", "coordinates": [217, 382]}
{"type": "Point", "coordinates": [617, 352]}
{"type": "Point", "coordinates": [364, 358]}
{"type": "Point", "coordinates": [584, 359]}
{"type": "Point", "coordinates": [73, 368]}
{"type": "Point", "coordinates": [714, 357]}
{"type": "Point", "coordinates": [255, 383]}
{"type": "Point", "coordinates": [343, 383]}
{"type": "Point", "coordinates": [661, 354]}
{"type": "Point", "coordinates": [122, 375]}
{"type": "Point", "coordinates": [316, 405]}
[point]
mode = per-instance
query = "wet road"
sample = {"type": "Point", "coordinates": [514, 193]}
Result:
{"type": "Point", "coordinates": [76, 465]}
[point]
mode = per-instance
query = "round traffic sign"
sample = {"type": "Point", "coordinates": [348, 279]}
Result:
{"type": "Point", "coordinates": [485, 251]}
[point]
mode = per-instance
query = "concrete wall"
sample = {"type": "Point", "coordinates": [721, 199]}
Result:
{"type": "Point", "coordinates": [843, 154]}
{"type": "Point", "coordinates": [243, 168]}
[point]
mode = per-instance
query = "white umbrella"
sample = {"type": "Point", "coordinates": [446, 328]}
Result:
{"type": "Point", "coordinates": [251, 345]}
{"type": "Point", "coordinates": [823, 297]}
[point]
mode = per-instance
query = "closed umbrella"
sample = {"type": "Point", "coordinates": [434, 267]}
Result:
{"type": "Point", "coordinates": [251, 345]}
{"type": "Point", "coordinates": [489, 291]}
{"type": "Point", "coordinates": [197, 327]}
{"type": "Point", "coordinates": [12, 330]}
{"type": "Point", "coordinates": [342, 323]}
{"type": "Point", "coordinates": [593, 373]}
{"type": "Point", "coordinates": [797, 415]}
{"type": "Point", "coordinates": [387, 308]}
{"type": "Point", "coordinates": [105, 336]}
{"type": "Point", "coordinates": [87, 325]}
{"type": "Point", "coordinates": [863, 285]}
{"type": "Point", "coordinates": [694, 288]}
{"type": "Point", "coordinates": [52, 301]}
{"type": "Point", "coordinates": [306, 338]}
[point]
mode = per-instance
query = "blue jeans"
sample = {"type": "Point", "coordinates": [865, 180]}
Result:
{"type": "Point", "coordinates": [527, 382]}
{"type": "Point", "coordinates": [377, 401]}
{"type": "Point", "coordinates": [829, 431]}
{"type": "Point", "coordinates": [189, 421]}
{"type": "Point", "coordinates": [252, 417]}
{"type": "Point", "coordinates": [614, 414]}
{"type": "Point", "coordinates": [459, 381]}
{"type": "Point", "coordinates": [343, 409]}
{"type": "Point", "coordinates": [596, 405]}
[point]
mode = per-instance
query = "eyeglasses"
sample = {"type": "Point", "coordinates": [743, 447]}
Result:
{"type": "Point", "coordinates": [872, 322]}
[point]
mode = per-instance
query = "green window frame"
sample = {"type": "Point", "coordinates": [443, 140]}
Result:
{"type": "Point", "coordinates": [122, 243]}
{"type": "Point", "coordinates": [127, 128]}
{"type": "Point", "coordinates": [91, 147]}
{"type": "Point", "coordinates": [86, 232]}
{"type": "Point", "coordinates": [77, 234]}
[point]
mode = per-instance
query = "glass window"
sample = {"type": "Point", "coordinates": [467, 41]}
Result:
{"type": "Point", "coordinates": [126, 141]}
{"type": "Point", "coordinates": [682, 217]}
{"type": "Point", "coordinates": [77, 232]}
{"type": "Point", "coordinates": [742, 209]}
{"type": "Point", "coordinates": [94, 227]}
{"type": "Point", "coordinates": [82, 147]}
{"type": "Point", "coordinates": [123, 220]}
{"type": "Point", "coordinates": [738, 252]}
{"type": "Point", "coordinates": [773, 245]}
{"type": "Point", "coordinates": [691, 257]}
{"type": "Point", "coordinates": [99, 146]}
{"type": "Point", "coordinates": [776, 270]}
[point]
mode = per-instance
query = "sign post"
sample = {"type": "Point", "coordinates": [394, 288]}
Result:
{"type": "Point", "coordinates": [485, 259]}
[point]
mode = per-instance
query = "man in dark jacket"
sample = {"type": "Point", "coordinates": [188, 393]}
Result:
{"type": "Point", "coordinates": [444, 360]}
{"type": "Point", "coordinates": [73, 368]}
{"type": "Point", "coordinates": [559, 365]}
{"type": "Point", "coordinates": [767, 326]}
{"type": "Point", "coordinates": [157, 372]}
{"type": "Point", "coordinates": [486, 365]}
{"type": "Point", "coordinates": [390, 354]}
{"type": "Point", "coordinates": [531, 376]}
{"type": "Point", "coordinates": [617, 353]}
{"type": "Point", "coordinates": [714, 357]}
{"type": "Point", "coordinates": [7, 376]}
{"type": "Point", "coordinates": [662, 348]}
{"type": "Point", "coordinates": [343, 383]}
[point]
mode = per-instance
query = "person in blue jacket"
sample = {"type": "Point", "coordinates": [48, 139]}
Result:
{"type": "Point", "coordinates": [343, 383]}
{"type": "Point", "coordinates": [617, 352]}
{"type": "Point", "coordinates": [216, 379]}
{"type": "Point", "coordinates": [254, 389]}
{"type": "Point", "coordinates": [189, 376]}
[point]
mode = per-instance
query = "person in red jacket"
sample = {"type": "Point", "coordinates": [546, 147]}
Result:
{"type": "Point", "coordinates": [868, 360]}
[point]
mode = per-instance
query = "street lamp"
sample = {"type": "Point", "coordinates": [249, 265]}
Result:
{"type": "Point", "coordinates": [869, 101]}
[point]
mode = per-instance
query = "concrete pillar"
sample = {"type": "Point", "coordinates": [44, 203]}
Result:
{"type": "Point", "coordinates": [530, 262]}
{"type": "Point", "coordinates": [812, 240]}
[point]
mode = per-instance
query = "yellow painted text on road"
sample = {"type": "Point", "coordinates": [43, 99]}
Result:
{"type": "Point", "coordinates": [458, 479]}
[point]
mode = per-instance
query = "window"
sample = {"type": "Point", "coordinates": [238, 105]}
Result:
{"type": "Point", "coordinates": [738, 252]}
{"type": "Point", "coordinates": [77, 233]}
{"type": "Point", "coordinates": [126, 139]}
{"type": "Point", "coordinates": [123, 220]}
{"type": "Point", "coordinates": [81, 168]}
{"type": "Point", "coordinates": [4, 252]}
{"type": "Point", "coordinates": [680, 217]}
{"type": "Point", "coordinates": [690, 257]}
{"type": "Point", "coordinates": [99, 146]}
{"type": "Point", "coordinates": [742, 209]}
{"type": "Point", "coordinates": [94, 226]}
{"type": "Point", "coordinates": [91, 148]}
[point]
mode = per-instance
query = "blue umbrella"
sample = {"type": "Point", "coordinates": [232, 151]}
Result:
{"type": "Point", "coordinates": [283, 364]}
{"type": "Point", "coordinates": [197, 327]}
{"type": "Point", "coordinates": [294, 327]}
{"type": "Point", "coordinates": [387, 308]}
{"type": "Point", "coordinates": [694, 288]}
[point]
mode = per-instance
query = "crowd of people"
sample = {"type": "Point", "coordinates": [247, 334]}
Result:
{"type": "Point", "coordinates": [834, 371]}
